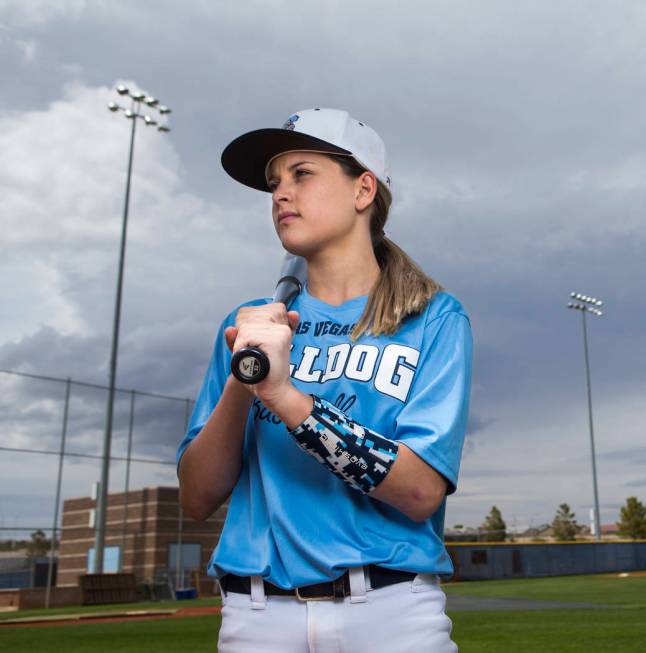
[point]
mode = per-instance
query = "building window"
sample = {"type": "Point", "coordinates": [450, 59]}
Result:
{"type": "Point", "coordinates": [479, 557]}
{"type": "Point", "coordinates": [189, 559]}
{"type": "Point", "coordinates": [191, 556]}
{"type": "Point", "coordinates": [111, 560]}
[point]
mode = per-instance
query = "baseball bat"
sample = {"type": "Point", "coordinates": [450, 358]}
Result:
{"type": "Point", "coordinates": [250, 364]}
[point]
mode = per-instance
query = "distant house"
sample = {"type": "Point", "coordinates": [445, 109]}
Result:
{"type": "Point", "coordinates": [610, 531]}
{"type": "Point", "coordinates": [541, 532]}
{"type": "Point", "coordinates": [461, 534]}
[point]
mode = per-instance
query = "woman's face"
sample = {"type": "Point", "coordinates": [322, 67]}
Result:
{"type": "Point", "coordinates": [314, 203]}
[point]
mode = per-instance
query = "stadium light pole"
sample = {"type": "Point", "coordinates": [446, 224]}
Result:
{"type": "Point", "coordinates": [134, 113]}
{"type": "Point", "coordinates": [587, 304]}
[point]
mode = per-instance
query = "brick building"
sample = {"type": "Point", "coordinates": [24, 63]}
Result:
{"type": "Point", "coordinates": [147, 547]}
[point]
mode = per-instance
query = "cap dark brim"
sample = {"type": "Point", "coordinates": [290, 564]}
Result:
{"type": "Point", "coordinates": [246, 157]}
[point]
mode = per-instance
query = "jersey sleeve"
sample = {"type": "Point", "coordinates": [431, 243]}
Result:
{"type": "Point", "coordinates": [433, 421]}
{"type": "Point", "coordinates": [212, 387]}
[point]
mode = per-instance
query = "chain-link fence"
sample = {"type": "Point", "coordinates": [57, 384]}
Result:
{"type": "Point", "coordinates": [51, 434]}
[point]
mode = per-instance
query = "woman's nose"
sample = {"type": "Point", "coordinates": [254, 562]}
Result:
{"type": "Point", "coordinates": [280, 192]}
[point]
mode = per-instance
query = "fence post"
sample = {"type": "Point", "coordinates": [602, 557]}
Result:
{"type": "Point", "coordinates": [179, 570]}
{"type": "Point", "coordinates": [127, 488]}
{"type": "Point", "coordinates": [50, 567]}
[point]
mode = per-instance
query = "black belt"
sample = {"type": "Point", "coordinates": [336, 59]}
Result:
{"type": "Point", "coordinates": [336, 589]}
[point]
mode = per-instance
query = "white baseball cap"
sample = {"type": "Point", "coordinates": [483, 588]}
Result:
{"type": "Point", "coordinates": [332, 131]}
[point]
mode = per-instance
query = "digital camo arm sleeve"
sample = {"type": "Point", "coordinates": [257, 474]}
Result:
{"type": "Point", "coordinates": [361, 457]}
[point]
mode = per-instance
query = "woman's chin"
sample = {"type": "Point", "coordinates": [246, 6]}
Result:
{"type": "Point", "coordinates": [296, 246]}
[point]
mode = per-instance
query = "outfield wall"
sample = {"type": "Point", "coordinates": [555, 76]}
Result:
{"type": "Point", "coordinates": [482, 561]}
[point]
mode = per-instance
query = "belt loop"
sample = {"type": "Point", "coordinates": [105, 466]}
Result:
{"type": "Point", "coordinates": [424, 580]}
{"type": "Point", "coordinates": [366, 576]}
{"type": "Point", "coordinates": [357, 585]}
{"type": "Point", "coordinates": [223, 595]}
{"type": "Point", "coordinates": [258, 597]}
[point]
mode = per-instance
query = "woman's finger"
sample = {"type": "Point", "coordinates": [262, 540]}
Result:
{"type": "Point", "coordinates": [293, 318]}
{"type": "Point", "coordinates": [261, 335]}
{"type": "Point", "coordinates": [275, 313]}
{"type": "Point", "coordinates": [230, 334]}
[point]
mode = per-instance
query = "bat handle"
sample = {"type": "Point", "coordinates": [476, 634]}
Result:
{"type": "Point", "coordinates": [249, 365]}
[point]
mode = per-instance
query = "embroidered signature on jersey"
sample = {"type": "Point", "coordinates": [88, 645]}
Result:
{"type": "Point", "coordinates": [263, 414]}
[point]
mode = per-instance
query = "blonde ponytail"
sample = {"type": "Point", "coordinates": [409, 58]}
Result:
{"type": "Point", "coordinates": [402, 289]}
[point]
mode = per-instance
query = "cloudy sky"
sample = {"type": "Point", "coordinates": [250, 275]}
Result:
{"type": "Point", "coordinates": [517, 144]}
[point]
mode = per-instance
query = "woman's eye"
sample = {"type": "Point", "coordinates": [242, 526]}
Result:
{"type": "Point", "coordinates": [272, 185]}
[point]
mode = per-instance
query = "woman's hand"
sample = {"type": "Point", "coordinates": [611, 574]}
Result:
{"type": "Point", "coordinates": [269, 327]}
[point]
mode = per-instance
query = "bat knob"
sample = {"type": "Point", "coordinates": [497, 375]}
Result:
{"type": "Point", "coordinates": [249, 365]}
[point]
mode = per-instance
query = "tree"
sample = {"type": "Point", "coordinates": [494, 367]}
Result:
{"type": "Point", "coordinates": [39, 545]}
{"type": "Point", "coordinates": [633, 519]}
{"type": "Point", "coordinates": [564, 524]}
{"type": "Point", "coordinates": [494, 527]}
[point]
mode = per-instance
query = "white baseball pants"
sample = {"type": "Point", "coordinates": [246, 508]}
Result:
{"type": "Point", "coordinates": [404, 617]}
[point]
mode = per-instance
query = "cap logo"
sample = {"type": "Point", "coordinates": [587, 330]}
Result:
{"type": "Point", "coordinates": [290, 122]}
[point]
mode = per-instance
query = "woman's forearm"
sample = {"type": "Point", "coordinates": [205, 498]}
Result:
{"type": "Point", "coordinates": [403, 480]}
{"type": "Point", "coordinates": [211, 464]}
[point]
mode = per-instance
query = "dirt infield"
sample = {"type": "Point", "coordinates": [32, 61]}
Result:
{"type": "Point", "coordinates": [106, 617]}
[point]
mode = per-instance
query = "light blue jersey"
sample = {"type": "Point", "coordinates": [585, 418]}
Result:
{"type": "Point", "coordinates": [293, 522]}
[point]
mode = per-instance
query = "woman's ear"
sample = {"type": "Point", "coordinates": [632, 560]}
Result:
{"type": "Point", "coordinates": [366, 189]}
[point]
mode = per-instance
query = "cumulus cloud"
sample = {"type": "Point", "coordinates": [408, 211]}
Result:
{"type": "Point", "coordinates": [64, 172]}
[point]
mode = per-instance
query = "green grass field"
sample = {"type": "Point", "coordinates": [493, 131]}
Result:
{"type": "Point", "coordinates": [619, 629]}
{"type": "Point", "coordinates": [604, 589]}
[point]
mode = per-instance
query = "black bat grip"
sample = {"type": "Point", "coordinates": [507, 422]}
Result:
{"type": "Point", "coordinates": [250, 365]}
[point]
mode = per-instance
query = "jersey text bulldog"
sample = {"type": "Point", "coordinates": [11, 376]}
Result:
{"type": "Point", "coordinates": [391, 370]}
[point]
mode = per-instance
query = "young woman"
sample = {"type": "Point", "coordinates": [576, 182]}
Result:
{"type": "Point", "coordinates": [339, 462]}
